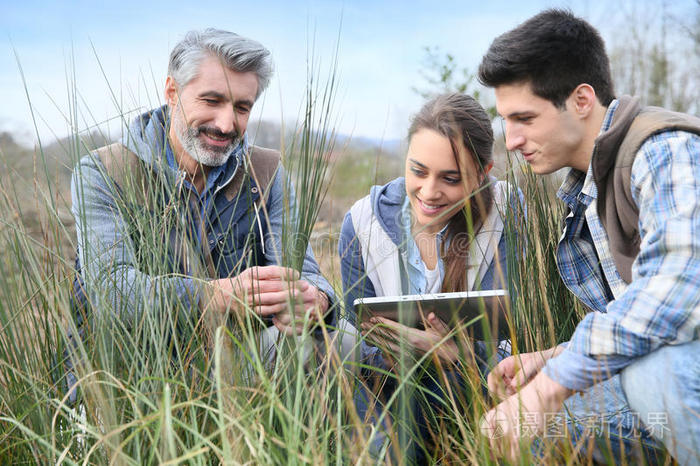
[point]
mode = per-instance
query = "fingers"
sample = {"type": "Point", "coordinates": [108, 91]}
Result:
{"type": "Point", "coordinates": [502, 431]}
{"type": "Point", "coordinates": [513, 373]}
{"type": "Point", "coordinates": [390, 325]}
{"type": "Point", "coordinates": [500, 376]}
{"type": "Point", "coordinates": [520, 379]}
{"type": "Point", "coordinates": [288, 326]}
{"type": "Point", "coordinates": [313, 297]}
{"type": "Point", "coordinates": [309, 295]}
{"type": "Point", "coordinates": [377, 332]}
{"type": "Point", "coordinates": [271, 272]}
{"type": "Point", "coordinates": [250, 286]}
{"type": "Point", "coordinates": [269, 286]}
{"type": "Point", "coordinates": [388, 331]}
{"type": "Point", "coordinates": [269, 310]}
{"type": "Point", "coordinates": [268, 292]}
{"type": "Point", "coordinates": [528, 366]}
{"type": "Point", "coordinates": [267, 299]}
{"type": "Point", "coordinates": [435, 323]}
{"type": "Point", "coordinates": [386, 342]}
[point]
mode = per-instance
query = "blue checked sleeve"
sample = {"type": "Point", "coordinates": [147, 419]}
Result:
{"type": "Point", "coordinates": [661, 305]}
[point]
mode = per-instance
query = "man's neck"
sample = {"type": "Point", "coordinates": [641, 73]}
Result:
{"type": "Point", "coordinates": [593, 124]}
{"type": "Point", "coordinates": [195, 172]}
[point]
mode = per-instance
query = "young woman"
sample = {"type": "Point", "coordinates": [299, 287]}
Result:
{"type": "Point", "coordinates": [437, 229]}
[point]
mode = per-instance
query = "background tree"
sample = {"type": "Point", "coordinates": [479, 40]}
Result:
{"type": "Point", "coordinates": [655, 54]}
{"type": "Point", "coordinates": [443, 74]}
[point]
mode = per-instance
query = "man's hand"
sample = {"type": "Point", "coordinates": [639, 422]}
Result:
{"type": "Point", "coordinates": [264, 289]}
{"type": "Point", "coordinates": [523, 415]}
{"type": "Point", "coordinates": [271, 291]}
{"type": "Point", "coordinates": [391, 335]}
{"type": "Point", "coordinates": [311, 302]}
{"type": "Point", "coordinates": [514, 372]}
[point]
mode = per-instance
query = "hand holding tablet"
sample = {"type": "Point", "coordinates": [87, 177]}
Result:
{"type": "Point", "coordinates": [484, 312]}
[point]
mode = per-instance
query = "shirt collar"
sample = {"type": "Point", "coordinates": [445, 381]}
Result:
{"type": "Point", "coordinates": [609, 114]}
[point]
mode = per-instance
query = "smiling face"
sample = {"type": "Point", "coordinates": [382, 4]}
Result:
{"type": "Point", "coordinates": [548, 138]}
{"type": "Point", "coordinates": [210, 113]}
{"type": "Point", "coordinates": [433, 180]}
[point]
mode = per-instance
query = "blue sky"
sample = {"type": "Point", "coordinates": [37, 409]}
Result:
{"type": "Point", "coordinates": [63, 48]}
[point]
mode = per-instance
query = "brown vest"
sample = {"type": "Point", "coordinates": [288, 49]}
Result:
{"type": "Point", "coordinates": [138, 185]}
{"type": "Point", "coordinates": [613, 156]}
{"type": "Point", "coordinates": [123, 166]}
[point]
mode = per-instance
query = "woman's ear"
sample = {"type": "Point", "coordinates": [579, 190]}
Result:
{"type": "Point", "coordinates": [485, 172]}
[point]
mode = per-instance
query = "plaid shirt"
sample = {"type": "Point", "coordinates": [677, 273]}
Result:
{"type": "Point", "coordinates": [662, 303]}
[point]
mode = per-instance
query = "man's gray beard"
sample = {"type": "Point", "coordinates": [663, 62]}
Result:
{"type": "Point", "coordinates": [189, 139]}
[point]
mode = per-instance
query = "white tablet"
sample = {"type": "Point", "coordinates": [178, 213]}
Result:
{"type": "Point", "coordinates": [484, 311]}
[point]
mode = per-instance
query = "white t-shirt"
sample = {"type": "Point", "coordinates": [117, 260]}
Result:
{"type": "Point", "coordinates": [432, 278]}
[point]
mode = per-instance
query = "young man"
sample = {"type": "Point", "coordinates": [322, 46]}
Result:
{"type": "Point", "coordinates": [183, 212]}
{"type": "Point", "coordinates": [630, 249]}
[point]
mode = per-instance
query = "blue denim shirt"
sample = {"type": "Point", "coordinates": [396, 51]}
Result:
{"type": "Point", "coordinates": [414, 262]}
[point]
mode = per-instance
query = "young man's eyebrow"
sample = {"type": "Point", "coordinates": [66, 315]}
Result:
{"type": "Point", "coordinates": [444, 172]}
{"type": "Point", "coordinates": [520, 114]}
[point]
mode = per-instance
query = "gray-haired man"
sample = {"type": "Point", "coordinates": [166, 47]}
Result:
{"type": "Point", "coordinates": [202, 224]}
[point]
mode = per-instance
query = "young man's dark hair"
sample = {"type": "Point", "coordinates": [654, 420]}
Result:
{"type": "Point", "coordinates": [553, 51]}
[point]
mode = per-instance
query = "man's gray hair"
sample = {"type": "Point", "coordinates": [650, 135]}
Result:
{"type": "Point", "coordinates": [236, 52]}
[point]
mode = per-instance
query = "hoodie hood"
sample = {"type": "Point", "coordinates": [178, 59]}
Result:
{"type": "Point", "coordinates": [147, 137]}
{"type": "Point", "coordinates": [387, 202]}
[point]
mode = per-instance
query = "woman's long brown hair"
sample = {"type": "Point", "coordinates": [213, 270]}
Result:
{"type": "Point", "coordinates": [464, 122]}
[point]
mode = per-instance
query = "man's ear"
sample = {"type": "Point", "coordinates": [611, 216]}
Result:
{"type": "Point", "coordinates": [583, 100]}
{"type": "Point", "coordinates": [171, 92]}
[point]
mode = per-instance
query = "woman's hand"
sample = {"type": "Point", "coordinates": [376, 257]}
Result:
{"type": "Point", "coordinates": [391, 336]}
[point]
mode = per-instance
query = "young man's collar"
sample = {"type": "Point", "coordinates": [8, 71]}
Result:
{"type": "Point", "coordinates": [609, 114]}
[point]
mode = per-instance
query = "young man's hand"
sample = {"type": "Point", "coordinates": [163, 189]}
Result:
{"type": "Point", "coordinates": [514, 372]}
{"type": "Point", "coordinates": [523, 416]}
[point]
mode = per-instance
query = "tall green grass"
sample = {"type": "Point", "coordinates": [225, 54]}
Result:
{"type": "Point", "coordinates": [158, 387]}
